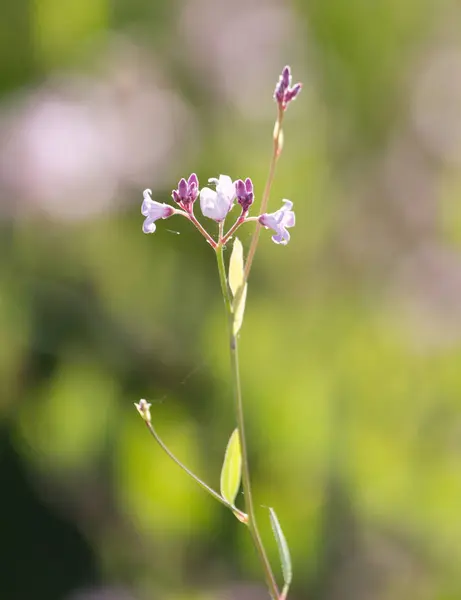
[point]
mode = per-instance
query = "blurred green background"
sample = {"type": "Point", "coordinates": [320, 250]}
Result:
{"type": "Point", "coordinates": [351, 346]}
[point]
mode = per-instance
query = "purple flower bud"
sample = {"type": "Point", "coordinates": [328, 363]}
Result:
{"type": "Point", "coordinates": [239, 188]}
{"type": "Point", "coordinates": [279, 221]}
{"type": "Point", "coordinates": [193, 181]}
{"type": "Point", "coordinates": [284, 93]}
{"type": "Point", "coordinates": [244, 193]}
{"type": "Point", "coordinates": [279, 92]}
{"type": "Point", "coordinates": [182, 189]}
{"type": "Point", "coordinates": [286, 76]}
{"type": "Point", "coordinates": [153, 211]}
{"type": "Point", "coordinates": [216, 204]}
{"type": "Point", "coordinates": [187, 192]}
{"type": "Point", "coordinates": [292, 93]}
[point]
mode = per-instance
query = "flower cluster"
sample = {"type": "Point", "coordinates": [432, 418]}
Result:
{"type": "Point", "coordinates": [187, 193]}
{"type": "Point", "coordinates": [284, 92]}
{"type": "Point", "coordinates": [216, 204]}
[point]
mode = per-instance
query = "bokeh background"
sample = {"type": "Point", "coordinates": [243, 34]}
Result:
{"type": "Point", "coordinates": [351, 346]}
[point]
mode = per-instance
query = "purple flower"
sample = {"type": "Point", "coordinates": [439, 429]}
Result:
{"type": "Point", "coordinates": [152, 211]}
{"type": "Point", "coordinates": [187, 192]}
{"type": "Point", "coordinates": [216, 204]}
{"type": "Point", "coordinates": [244, 193]}
{"type": "Point", "coordinates": [284, 93]}
{"type": "Point", "coordinates": [279, 221]}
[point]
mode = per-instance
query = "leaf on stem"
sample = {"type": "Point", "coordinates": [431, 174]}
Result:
{"type": "Point", "coordinates": [238, 308]}
{"type": "Point", "coordinates": [236, 271]}
{"type": "Point", "coordinates": [231, 471]}
{"type": "Point", "coordinates": [284, 552]}
{"type": "Point", "coordinates": [237, 284]}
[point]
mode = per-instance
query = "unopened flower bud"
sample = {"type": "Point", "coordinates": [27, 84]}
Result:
{"type": "Point", "coordinates": [286, 76]}
{"type": "Point", "coordinates": [144, 409]}
{"type": "Point", "coordinates": [186, 193]}
{"type": "Point", "coordinates": [244, 192]}
{"type": "Point", "coordinates": [284, 93]}
{"type": "Point", "coordinates": [292, 93]}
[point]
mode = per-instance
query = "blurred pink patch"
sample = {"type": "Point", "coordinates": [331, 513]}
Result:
{"type": "Point", "coordinates": [238, 45]}
{"type": "Point", "coordinates": [69, 148]}
{"type": "Point", "coordinates": [437, 104]}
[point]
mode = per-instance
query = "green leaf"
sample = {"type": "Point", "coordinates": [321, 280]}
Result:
{"type": "Point", "coordinates": [284, 551]}
{"type": "Point", "coordinates": [236, 281]}
{"type": "Point", "coordinates": [238, 308]}
{"type": "Point", "coordinates": [231, 471]}
{"type": "Point", "coordinates": [236, 269]}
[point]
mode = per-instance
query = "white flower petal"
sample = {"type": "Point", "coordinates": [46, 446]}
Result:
{"type": "Point", "coordinates": [216, 204]}
{"type": "Point", "coordinates": [279, 221]}
{"type": "Point", "coordinates": [147, 206]}
{"type": "Point", "coordinates": [226, 187]}
{"type": "Point", "coordinates": [149, 226]}
{"type": "Point", "coordinates": [287, 204]}
{"type": "Point", "coordinates": [289, 220]}
{"type": "Point", "coordinates": [208, 202]}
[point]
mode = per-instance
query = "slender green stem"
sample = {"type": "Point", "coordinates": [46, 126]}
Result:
{"type": "Point", "coordinates": [222, 277]}
{"type": "Point", "coordinates": [206, 487]}
{"type": "Point", "coordinates": [285, 591]}
{"type": "Point", "coordinates": [246, 481]}
{"type": "Point", "coordinates": [276, 150]}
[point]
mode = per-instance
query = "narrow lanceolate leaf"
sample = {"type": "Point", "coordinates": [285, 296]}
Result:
{"type": "Point", "coordinates": [239, 309]}
{"type": "Point", "coordinates": [236, 281]}
{"type": "Point", "coordinates": [231, 471]}
{"type": "Point", "coordinates": [284, 551]}
{"type": "Point", "coordinates": [236, 267]}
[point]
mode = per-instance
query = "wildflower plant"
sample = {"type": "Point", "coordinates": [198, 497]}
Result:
{"type": "Point", "coordinates": [216, 203]}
